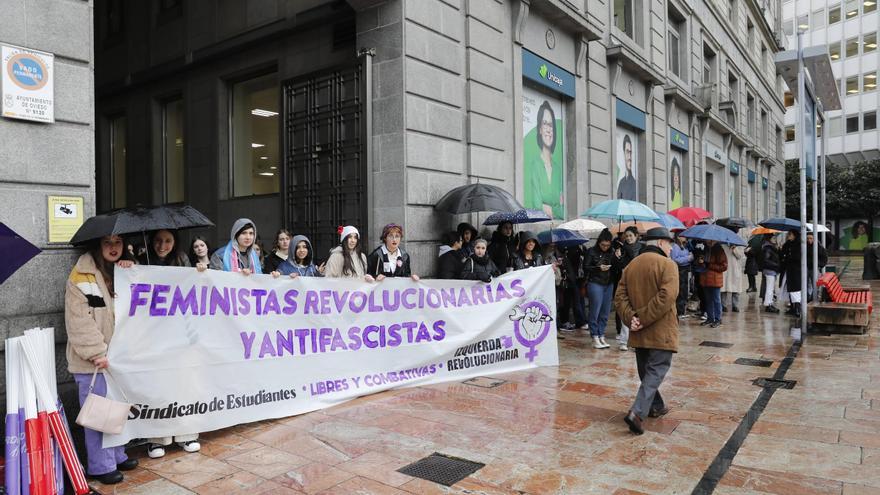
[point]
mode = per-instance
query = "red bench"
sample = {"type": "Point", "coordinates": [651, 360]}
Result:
{"type": "Point", "coordinates": [841, 308]}
{"type": "Point", "coordinates": [840, 294]}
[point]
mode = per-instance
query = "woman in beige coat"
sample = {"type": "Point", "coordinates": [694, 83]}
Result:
{"type": "Point", "coordinates": [733, 277]}
{"type": "Point", "coordinates": [89, 319]}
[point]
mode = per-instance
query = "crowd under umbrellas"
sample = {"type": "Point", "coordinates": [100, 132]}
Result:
{"type": "Point", "coordinates": [588, 256]}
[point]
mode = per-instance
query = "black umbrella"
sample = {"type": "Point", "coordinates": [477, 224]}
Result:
{"type": "Point", "coordinates": [734, 222]}
{"type": "Point", "coordinates": [15, 251]}
{"type": "Point", "coordinates": [139, 219]}
{"type": "Point", "coordinates": [477, 197]}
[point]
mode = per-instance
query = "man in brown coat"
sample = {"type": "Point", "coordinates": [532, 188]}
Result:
{"type": "Point", "coordinates": [645, 299]}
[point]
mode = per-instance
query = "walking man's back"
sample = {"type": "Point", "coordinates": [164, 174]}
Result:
{"type": "Point", "coordinates": [645, 299]}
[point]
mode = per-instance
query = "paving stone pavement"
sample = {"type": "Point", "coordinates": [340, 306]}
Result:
{"type": "Point", "coordinates": [560, 430]}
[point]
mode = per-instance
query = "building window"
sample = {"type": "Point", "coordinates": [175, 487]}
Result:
{"type": "Point", "coordinates": [173, 157]}
{"type": "Point", "coordinates": [852, 85]}
{"type": "Point", "coordinates": [852, 47]}
{"type": "Point", "coordinates": [803, 22]}
{"type": "Point", "coordinates": [777, 200]}
{"type": "Point", "coordinates": [788, 27]}
{"type": "Point", "coordinates": [833, 15]}
{"type": "Point", "coordinates": [709, 60]}
{"type": "Point", "coordinates": [788, 99]}
{"type": "Point", "coordinates": [731, 12]}
{"type": "Point", "coordinates": [869, 121]}
{"type": "Point", "coordinates": [852, 124]}
{"type": "Point", "coordinates": [624, 16]}
{"type": "Point", "coordinates": [869, 6]}
{"type": "Point", "coordinates": [750, 34]}
{"type": "Point", "coordinates": [870, 42]}
{"type": "Point", "coordinates": [834, 126]}
{"type": "Point", "coordinates": [750, 115]}
{"type": "Point", "coordinates": [764, 129]}
{"type": "Point", "coordinates": [255, 129]}
{"type": "Point", "coordinates": [789, 134]}
{"type": "Point", "coordinates": [674, 44]}
{"type": "Point", "coordinates": [834, 50]}
{"type": "Point", "coordinates": [118, 166]}
{"type": "Point", "coordinates": [852, 9]}
{"type": "Point", "coordinates": [818, 19]}
{"type": "Point", "coordinates": [732, 87]}
{"type": "Point", "coordinates": [869, 81]}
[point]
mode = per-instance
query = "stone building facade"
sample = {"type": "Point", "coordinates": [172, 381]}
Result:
{"type": "Point", "coordinates": [426, 95]}
{"type": "Point", "coordinates": [39, 160]}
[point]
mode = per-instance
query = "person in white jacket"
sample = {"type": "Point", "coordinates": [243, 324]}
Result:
{"type": "Point", "coordinates": [733, 277]}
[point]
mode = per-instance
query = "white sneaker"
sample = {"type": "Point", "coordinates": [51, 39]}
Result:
{"type": "Point", "coordinates": [585, 326]}
{"type": "Point", "coordinates": [597, 344]}
{"type": "Point", "coordinates": [155, 451]}
{"type": "Point", "coordinates": [622, 346]}
{"type": "Point", "coordinates": [604, 344]}
{"type": "Point", "coordinates": [191, 446]}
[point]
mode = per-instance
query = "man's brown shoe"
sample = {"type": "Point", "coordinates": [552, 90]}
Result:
{"type": "Point", "coordinates": [634, 422]}
{"type": "Point", "coordinates": [658, 413]}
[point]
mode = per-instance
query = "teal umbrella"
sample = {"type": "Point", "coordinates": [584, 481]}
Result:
{"type": "Point", "coordinates": [622, 210]}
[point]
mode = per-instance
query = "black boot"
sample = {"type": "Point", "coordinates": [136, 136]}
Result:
{"type": "Point", "coordinates": [797, 309]}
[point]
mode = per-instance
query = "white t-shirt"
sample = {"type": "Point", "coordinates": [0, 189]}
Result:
{"type": "Point", "coordinates": [391, 265]}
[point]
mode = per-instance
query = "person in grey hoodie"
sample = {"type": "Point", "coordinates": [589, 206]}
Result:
{"type": "Point", "coordinates": [239, 254]}
{"type": "Point", "coordinates": [529, 254]}
{"type": "Point", "coordinates": [299, 263]}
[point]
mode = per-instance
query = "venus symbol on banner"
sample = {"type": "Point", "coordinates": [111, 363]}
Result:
{"type": "Point", "coordinates": [531, 323]}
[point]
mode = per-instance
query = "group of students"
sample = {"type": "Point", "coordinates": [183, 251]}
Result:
{"type": "Point", "coordinates": [582, 275]}
{"type": "Point", "coordinates": [89, 315]}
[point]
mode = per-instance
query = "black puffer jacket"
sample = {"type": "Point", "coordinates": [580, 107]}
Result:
{"type": "Point", "coordinates": [520, 262]}
{"type": "Point", "coordinates": [770, 260]}
{"type": "Point", "coordinates": [502, 250]}
{"type": "Point", "coordinates": [451, 263]}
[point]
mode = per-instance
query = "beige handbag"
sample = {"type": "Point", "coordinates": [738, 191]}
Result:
{"type": "Point", "coordinates": [102, 414]}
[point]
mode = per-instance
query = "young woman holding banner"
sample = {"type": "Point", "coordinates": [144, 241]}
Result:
{"type": "Point", "coordinates": [163, 250]}
{"type": "Point", "coordinates": [89, 320]}
{"type": "Point", "coordinates": [347, 260]}
{"type": "Point", "coordinates": [239, 254]}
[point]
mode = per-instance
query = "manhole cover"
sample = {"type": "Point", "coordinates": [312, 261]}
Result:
{"type": "Point", "coordinates": [754, 362]}
{"type": "Point", "coordinates": [484, 382]}
{"type": "Point", "coordinates": [709, 343]}
{"type": "Point", "coordinates": [774, 383]}
{"type": "Point", "coordinates": [443, 469]}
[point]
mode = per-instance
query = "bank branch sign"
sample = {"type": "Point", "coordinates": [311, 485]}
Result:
{"type": "Point", "coordinates": [547, 74]}
{"type": "Point", "coordinates": [28, 90]}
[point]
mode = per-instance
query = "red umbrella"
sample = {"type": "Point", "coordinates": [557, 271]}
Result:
{"type": "Point", "coordinates": [690, 215]}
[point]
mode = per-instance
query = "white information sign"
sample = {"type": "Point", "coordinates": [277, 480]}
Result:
{"type": "Point", "coordinates": [27, 84]}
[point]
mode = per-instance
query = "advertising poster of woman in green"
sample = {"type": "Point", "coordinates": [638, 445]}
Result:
{"type": "Point", "coordinates": [853, 235]}
{"type": "Point", "coordinates": [543, 154]}
{"type": "Point", "coordinates": [675, 180]}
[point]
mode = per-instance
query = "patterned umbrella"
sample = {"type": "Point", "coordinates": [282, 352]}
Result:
{"type": "Point", "coordinates": [690, 215]}
{"type": "Point", "coordinates": [519, 216]}
{"type": "Point", "coordinates": [622, 210]}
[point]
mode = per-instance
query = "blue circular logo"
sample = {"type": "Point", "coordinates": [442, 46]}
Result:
{"type": "Point", "coordinates": [27, 71]}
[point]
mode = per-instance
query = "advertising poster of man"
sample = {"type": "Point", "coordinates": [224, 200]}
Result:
{"type": "Point", "coordinates": [543, 153]}
{"type": "Point", "coordinates": [854, 234]}
{"type": "Point", "coordinates": [676, 160]}
{"type": "Point", "coordinates": [626, 173]}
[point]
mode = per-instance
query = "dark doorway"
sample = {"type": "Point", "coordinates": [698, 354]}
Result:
{"type": "Point", "coordinates": [325, 180]}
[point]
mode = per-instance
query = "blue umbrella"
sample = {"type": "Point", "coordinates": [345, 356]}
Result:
{"type": "Point", "coordinates": [518, 216]}
{"type": "Point", "coordinates": [15, 251]}
{"type": "Point", "coordinates": [622, 210]}
{"type": "Point", "coordinates": [670, 222]}
{"type": "Point", "coordinates": [710, 232]}
{"type": "Point", "coordinates": [562, 238]}
{"type": "Point", "coordinates": [781, 224]}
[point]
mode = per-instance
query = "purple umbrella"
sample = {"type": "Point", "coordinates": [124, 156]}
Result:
{"type": "Point", "coordinates": [15, 251]}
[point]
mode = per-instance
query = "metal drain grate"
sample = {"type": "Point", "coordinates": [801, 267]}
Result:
{"type": "Point", "coordinates": [774, 383]}
{"type": "Point", "coordinates": [484, 382]}
{"type": "Point", "coordinates": [440, 468]}
{"type": "Point", "coordinates": [709, 343]}
{"type": "Point", "coordinates": [754, 362]}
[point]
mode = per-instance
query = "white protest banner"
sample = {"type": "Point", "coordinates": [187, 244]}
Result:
{"type": "Point", "coordinates": [201, 351]}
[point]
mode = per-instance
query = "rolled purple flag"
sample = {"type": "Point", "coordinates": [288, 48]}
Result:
{"type": "Point", "coordinates": [13, 469]}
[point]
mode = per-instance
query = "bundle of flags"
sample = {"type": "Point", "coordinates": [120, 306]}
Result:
{"type": "Point", "coordinates": [38, 442]}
